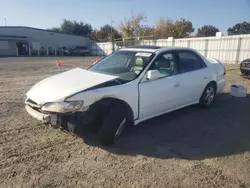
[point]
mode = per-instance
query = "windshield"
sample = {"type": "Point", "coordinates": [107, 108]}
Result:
{"type": "Point", "coordinates": [127, 65]}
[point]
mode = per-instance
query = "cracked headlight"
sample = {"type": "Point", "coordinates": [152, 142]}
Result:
{"type": "Point", "coordinates": [62, 107]}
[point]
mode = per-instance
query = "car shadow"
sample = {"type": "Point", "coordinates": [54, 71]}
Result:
{"type": "Point", "coordinates": [190, 133]}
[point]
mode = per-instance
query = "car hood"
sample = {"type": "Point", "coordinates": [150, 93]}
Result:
{"type": "Point", "coordinates": [60, 86]}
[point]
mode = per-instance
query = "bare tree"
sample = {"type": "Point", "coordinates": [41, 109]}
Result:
{"type": "Point", "coordinates": [132, 27]}
{"type": "Point", "coordinates": [163, 28]}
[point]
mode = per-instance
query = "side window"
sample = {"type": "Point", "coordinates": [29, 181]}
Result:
{"type": "Point", "coordinates": [188, 61]}
{"type": "Point", "coordinates": [166, 64]}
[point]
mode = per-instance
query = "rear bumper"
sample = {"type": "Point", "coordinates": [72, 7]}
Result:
{"type": "Point", "coordinates": [45, 118]}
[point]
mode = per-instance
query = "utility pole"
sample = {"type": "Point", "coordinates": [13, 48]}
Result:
{"type": "Point", "coordinates": [5, 21]}
{"type": "Point", "coordinates": [112, 38]}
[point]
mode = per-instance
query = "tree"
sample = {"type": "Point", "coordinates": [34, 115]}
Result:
{"type": "Point", "coordinates": [164, 28]}
{"type": "Point", "coordinates": [93, 35]}
{"type": "Point", "coordinates": [67, 27]}
{"type": "Point", "coordinates": [104, 34]}
{"type": "Point", "coordinates": [146, 31]}
{"type": "Point", "coordinates": [82, 28]}
{"type": "Point", "coordinates": [133, 26]}
{"type": "Point", "coordinates": [74, 28]}
{"type": "Point", "coordinates": [207, 31]}
{"type": "Point", "coordinates": [182, 28]}
{"type": "Point", "coordinates": [239, 28]}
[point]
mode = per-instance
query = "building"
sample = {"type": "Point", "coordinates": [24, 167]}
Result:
{"type": "Point", "coordinates": [18, 40]}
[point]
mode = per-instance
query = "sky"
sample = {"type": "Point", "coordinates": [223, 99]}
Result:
{"type": "Point", "coordinates": [50, 13]}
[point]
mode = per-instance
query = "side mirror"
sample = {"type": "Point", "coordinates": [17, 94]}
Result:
{"type": "Point", "coordinates": [153, 74]}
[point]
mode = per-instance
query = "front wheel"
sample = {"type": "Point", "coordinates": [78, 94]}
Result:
{"type": "Point", "coordinates": [208, 95]}
{"type": "Point", "coordinates": [113, 125]}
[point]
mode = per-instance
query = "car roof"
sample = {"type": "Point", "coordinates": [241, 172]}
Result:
{"type": "Point", "coordinates": [153, 49]}
{"type": "Point", "coordinates": [145, 46]}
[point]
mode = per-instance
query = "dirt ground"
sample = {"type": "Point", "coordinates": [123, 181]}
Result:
{"type": "Point", "coordinates": [187, 148]}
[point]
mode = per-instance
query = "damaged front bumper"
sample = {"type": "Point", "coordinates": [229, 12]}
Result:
{"type": "Point", "coordinates": [45, 118]}
{"type": "Point", "coordinates": [67, 121]}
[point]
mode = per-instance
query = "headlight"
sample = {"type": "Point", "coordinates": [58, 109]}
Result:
{"type": "Point", "coordinates": [62, 107]}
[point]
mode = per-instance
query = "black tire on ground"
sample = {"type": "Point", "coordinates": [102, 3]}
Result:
{"type": "Point", "coordinates": [98, 115]}
{"type": "Point", "coordinates": [113, 125]}
{"type": "Point", "coordinates": [208, 95]}
{"type": "Point", "coordinates": [94, 126]}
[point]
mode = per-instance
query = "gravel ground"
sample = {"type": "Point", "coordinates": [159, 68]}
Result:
{"type": "Point", "coordinates": [187, 148]}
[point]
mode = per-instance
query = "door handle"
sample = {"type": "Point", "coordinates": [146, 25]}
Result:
{"type": "Point", "coordinates": [205, 77]}
{"type": "Point", "coordinates": [176, 85]}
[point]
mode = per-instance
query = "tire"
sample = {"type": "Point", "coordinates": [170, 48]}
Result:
{"type": "Point", "coordinates": [96, 118]}
{"type": "Point", "coordinates": [208, 95]}
{"type": "Point", "coordinates": [113, 125]}
{"type": "Point", "coordinates": [94, 126]}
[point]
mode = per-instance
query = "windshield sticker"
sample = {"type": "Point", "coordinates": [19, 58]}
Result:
{"type": "Point", "coordinates": [143, 54]}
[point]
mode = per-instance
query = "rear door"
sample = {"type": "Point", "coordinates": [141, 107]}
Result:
{"type": "Point", "coordinates": [195, 75]}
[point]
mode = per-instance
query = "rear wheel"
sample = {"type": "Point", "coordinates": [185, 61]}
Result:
{"type": "Point", "coordinates": [113, 125]}
{"type": "Point", "coordinates": [208, 95]}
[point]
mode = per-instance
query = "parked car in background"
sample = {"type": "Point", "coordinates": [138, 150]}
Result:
{"type": "Point", "coordinates": [125, 88]}
{"type": "Point", "coordinates": [77, 50]}
{"type": "Point", "coordinates": [245, 67]}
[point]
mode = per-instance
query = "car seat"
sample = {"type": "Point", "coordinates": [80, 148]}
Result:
{"type": "Point", "coordinates": [163, 66]}
{"type": "Point", "coordinates": [139, 64]}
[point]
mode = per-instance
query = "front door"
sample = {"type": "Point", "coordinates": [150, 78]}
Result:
{"type": "Point", "coordinates": [163, 94]}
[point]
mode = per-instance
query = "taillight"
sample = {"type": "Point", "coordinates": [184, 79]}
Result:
{"type": "Point", "coordinates": [225, 71]}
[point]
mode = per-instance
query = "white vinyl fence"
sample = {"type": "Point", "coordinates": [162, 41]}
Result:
{"type": "Point", "coordinates": [228, 49]}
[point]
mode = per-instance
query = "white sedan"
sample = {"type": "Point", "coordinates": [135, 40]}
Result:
{"type": "Point", "coordinates": [125, 88]}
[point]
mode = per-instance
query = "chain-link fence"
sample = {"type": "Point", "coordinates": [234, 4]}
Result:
{"type": "Point", "coordinates": [105, 48]}
{"type": "Point", "coordinates": [228, 49]}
